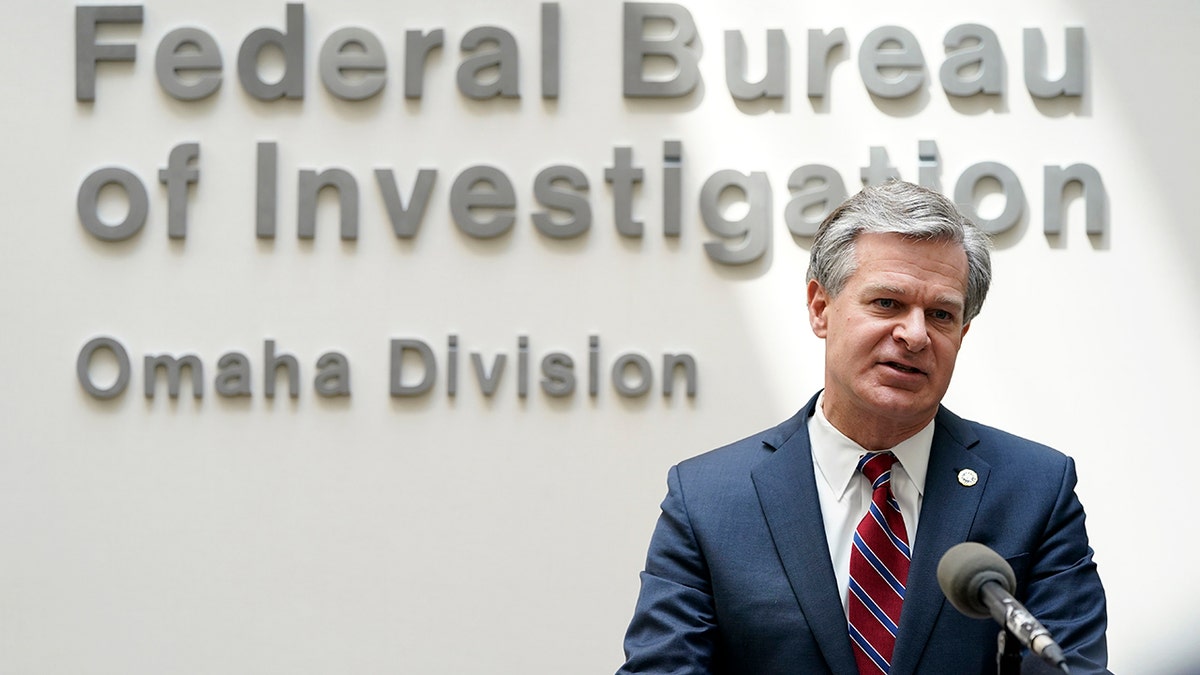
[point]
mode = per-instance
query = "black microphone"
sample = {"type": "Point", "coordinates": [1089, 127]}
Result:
{"type": "Point", "coordinates": [979, 583]}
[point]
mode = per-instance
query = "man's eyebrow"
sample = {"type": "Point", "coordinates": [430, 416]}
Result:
{"type": "Point", "coordinates": [884, 288]}
{"type": "Point", "coordinates": [951, 300]}
{"type": "Point", "coordinates": [954, 301]}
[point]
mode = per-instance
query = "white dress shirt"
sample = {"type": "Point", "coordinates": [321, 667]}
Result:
{"type": "Point", "coordinates": [845, 493]}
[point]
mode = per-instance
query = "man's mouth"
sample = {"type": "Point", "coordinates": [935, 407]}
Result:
{"type": "Point", "coordinates": [901, 367]}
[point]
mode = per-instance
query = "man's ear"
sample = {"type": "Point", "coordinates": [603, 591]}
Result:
{"type": "Point", "coordinates": [818, 302]}
{"type": "Point", "coordinates": [966, 327]}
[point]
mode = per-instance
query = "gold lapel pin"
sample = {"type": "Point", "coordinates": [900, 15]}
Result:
{"type": "Point", "coordinates": [967, 478]}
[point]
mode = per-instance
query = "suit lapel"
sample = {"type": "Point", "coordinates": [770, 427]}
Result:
{"type": "Point", "coordinates": [787, 493]}
{"type": "Point", "coordinates": [947, 512]}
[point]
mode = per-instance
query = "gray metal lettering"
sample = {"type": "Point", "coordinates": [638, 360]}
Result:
{"type": "Point", "coordinates": [271, 366]}
{"type": "Point", "coordinates": [879, 171]}
{"type": "Point", "coordinates": [672, 187]}
{"type": "Point", "coordinates": [504, 59]}
{"type": "Point", "coordinates": [753, 229]}
{"type": "Point", "coordinates": [623, 176]}
{"type": "Point", "coordinates": [177, 176]}
{"type": "Point", "coordinates": [559, 375]}
{"type": "Point", "coordinates": [905, 56]}
{"type": "Point", "coordinates": [672, 362]}
{"type": "Point", "coordinates": [1056, 179]}
{"type": "Point", "coordinates": [88, 53]}
{"type": "Point", "coordinates": [266, 177]}
{"type": "Point", "coordinates": [500, 196]}
{"type": "Point", "coordinates": [308, 189]}
{"type": "Point", "coordinates": [593, 365]}
{"type": "Point", "coordinates": [365, 58]}
{"type": "Point", "coordinates": [551, 48]}
{"type": "Point", "coordinates": [1036, 80]}
{"type": "Point", "coordinates": [820, 46]}
{"type": "Point", "coordinates": [174, 368]}
{"type": "Point", "coordinates": [429, 367]}
{"type": "Point", "coordinates": [816, 190]}
{"type": "Point", "coordinates": [88, 203]}
{"type": "Point", "coordinates": [291, 44]}
{"type": "Point", "coordinates": [975, 47]}
{"type": "Point", "coordinates": [677, 48]}
{"type": "Point", "coordinates": [929, 165]}
{"type": "Point", "coordinates": [645, 376]}
{"type": "Point", "coordinates": [83, 366]}
{"type": "Point", "coordinates": [233, 375]}
{"type": "Point", "coordinates": [406, 221]}
{"type": "Point", "coordinates": [417, 48]}
{"type": "Point", "coordinates": [202, 61]}
{"type": "Point", "coordinates": [523, 366]}
{"type": "Point", "coordinates": [333, 375]}
{"type": "Point", "coordinates": [488, 381]}
{"type": "Point", "coordinates": [452, 366]}
{"type": "Point", "coordinates": [1010, 186]}
{"type": "Point", "coordinates": [774, 80]}
{"type": "Point", "coordinates": [574, 201]}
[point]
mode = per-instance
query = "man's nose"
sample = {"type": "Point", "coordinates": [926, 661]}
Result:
{"type": "Point", "coordinates": [912, 330]}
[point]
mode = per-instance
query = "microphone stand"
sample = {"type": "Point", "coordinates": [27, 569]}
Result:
{"type": "Point", "coordinates": [1008, 653]}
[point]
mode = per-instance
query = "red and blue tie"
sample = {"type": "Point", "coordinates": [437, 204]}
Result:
{"type": "Point", "coordinates": [879, 562]}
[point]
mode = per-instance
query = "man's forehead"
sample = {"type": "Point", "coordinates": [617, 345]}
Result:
{"type": "Point", "coordinates": [886, 251]}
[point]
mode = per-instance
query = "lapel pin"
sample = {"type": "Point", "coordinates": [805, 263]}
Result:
{"type": "Point", "coordinates": [967, 478]}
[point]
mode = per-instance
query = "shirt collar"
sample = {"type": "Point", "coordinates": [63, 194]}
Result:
{"type": "Point", "coordinates": [836, 456]}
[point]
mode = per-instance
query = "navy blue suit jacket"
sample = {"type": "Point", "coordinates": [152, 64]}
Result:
{"type": "Point", "coordinates": [739, 580]}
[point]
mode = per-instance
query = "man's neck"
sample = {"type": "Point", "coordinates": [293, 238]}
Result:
{"type": "Point", "coordinates": [873, 433]}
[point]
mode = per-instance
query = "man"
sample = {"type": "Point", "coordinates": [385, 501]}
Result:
{"type": "Point", "coordinates": [770, 553]}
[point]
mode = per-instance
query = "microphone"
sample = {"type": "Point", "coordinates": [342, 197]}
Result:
{"type": "Point", "coordinates": [979, 583]}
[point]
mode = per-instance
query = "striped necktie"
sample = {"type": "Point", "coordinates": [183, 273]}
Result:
{"type": "Point", "coordinates": [879, 562]}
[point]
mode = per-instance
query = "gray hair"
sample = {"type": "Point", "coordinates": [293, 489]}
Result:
{"type": "Point", "coordinates": [900, 208]}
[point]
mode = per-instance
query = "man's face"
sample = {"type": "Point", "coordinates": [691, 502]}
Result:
{"type": "Point", "coordinates": [892, 335]}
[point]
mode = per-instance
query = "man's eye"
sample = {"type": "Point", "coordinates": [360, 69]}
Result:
{"type": "Point", "coordinates": [942, 315]}
{"type": "Point", "coordinates": [886, 303]}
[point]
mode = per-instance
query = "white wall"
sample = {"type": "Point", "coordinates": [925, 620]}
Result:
{"type": "Point", "coordinates": [501, 535]}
